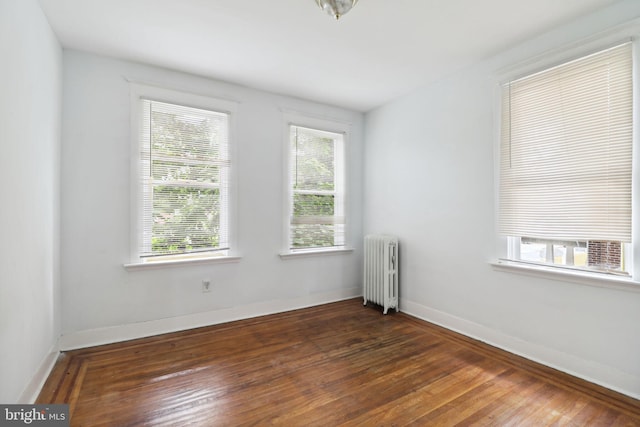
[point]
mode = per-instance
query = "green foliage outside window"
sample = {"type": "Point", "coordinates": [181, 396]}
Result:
{"type": "Point", "coordinates": [185, 219]}
{"type": "Point", "coordinates": [312, 236]}
{"type": "Point", "coordinates": [185, 170]}
{"type": "Point", "coordinates": [313, 205]}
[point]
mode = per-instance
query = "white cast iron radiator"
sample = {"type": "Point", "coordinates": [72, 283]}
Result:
{"type": "Point", "coordinates": [381, 271]}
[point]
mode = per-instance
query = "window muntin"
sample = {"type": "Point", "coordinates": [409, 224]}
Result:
{"type": "Point", "coordinates": [566, 163]}
{"type": "Point", "coordinates": [184, 174]}
{"type": "Point", "coordinates": [316, 183]}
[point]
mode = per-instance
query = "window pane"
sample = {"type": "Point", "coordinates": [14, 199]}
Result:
{"type": "Point", "coordinates": [586, 255]}
{"type": "Point", "coordinates": [313, 167]}
{"type": "Point", "coordinates": [313, 205]}
{"type": "Point", "coordinates": [185, 219]}
{"type": "Point", "coordinates": [189, 136]}
{"type": "Point", "coordinates": [312, 235]}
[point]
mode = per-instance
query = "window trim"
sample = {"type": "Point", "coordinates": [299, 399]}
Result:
{"type": "Point", "coordinates": [134, 266]}
{"type": "Point", "coordinates": [629, 31]}
{"type": "Point", "coordinates": [306, 253]}
{"type": "Point", "coordinates": [140, 91]}
{"type": "Point", "coordinates": [581, 277]}
{"type": "Point", "coordinates": [293, 118]}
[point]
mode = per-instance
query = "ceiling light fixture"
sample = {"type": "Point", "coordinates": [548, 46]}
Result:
{"type": "Point", "coordinates": [336, 8]}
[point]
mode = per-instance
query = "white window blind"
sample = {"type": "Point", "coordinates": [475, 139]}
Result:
{"type": "Point", "coordinates": [184, 168]}
{"type": "Point", "coordinates": [317, 207]}
{"type": "Point", "coordinates": [566, 150]}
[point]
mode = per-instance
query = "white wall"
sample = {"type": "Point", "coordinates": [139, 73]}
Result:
{"type": "Point", "coordinates": [30, 108]}
{"type": "Point", "coordinates": [98, 292]}
{"type": "Point", "coordinates": [436, 193]}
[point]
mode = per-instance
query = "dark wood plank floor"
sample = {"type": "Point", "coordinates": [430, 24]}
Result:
{"type": "Point", "coordinates": [336, 364]}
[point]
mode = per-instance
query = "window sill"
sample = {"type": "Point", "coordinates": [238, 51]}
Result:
{"type": "Point", "coordinates": [181, 263]}
{"type": "Point", "coordinates": [601, 280]}
{"type": "Point", "coordinates": [315, 252]}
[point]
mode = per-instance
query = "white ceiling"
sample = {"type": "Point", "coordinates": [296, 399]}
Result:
{"type": "Point", "coordinates": [380, 50]}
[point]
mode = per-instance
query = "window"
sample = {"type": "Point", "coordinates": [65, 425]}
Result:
{"type": "Point", "coordinates": [317, 189]}
{"type": "Point", "coordinates": [183, 169]}
{"type": "Point", "coordinates": [566, 164]}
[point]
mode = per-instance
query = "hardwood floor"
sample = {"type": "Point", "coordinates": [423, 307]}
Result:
{"type": "Point", "coordinates": [336, 364]}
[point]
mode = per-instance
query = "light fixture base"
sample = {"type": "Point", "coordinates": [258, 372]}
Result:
{"type": "Point", "coordinates": [336, 8]}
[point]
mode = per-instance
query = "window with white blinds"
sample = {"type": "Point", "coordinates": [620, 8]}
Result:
{"type": "Point", "coordinates": [566, 152]}
{"type": "Point", "coordinates": [184, 181]}
{"type": "Point", "coordinates": [316, 182]}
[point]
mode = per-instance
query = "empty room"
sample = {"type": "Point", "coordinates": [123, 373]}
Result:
{"type": "Point", "coordinates": [320, 212]}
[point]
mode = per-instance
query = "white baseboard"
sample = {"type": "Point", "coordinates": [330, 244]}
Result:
{"type": "Point", "coordinates": [93, 337]}
{"type": "Point", "coordinates": [606, 376]}
{"type": "Point", "coordinates": [32, 390]}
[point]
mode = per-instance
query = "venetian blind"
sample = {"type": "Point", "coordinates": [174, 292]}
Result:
{"type": "Point", "coordinates": [566, 150]}
{"type": "Point", "coordinates": [184, 166]}
{"type": "Point", "coordinates": [317, 186]}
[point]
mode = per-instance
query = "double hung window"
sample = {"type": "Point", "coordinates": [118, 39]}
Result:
{"type": "Point", "coordinates": [566, 163]}
{"type": "Point", "coordinates": [183, 169]}
{"type": "Point", "coordinates": [317, 189]}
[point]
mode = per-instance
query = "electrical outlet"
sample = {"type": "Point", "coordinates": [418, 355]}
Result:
{"type": "Point", "coordinates": [206, 285]}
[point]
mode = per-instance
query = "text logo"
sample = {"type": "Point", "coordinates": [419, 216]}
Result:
{"type": "Point", "coordinates": [34, 415]}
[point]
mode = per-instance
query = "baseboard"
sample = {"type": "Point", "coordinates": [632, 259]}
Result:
{"type": "Point", "coordinates": [93, 337]}
{"type": "Point", "coordinates": [32, 390]}
{"type": "Point", "coordinates": [596, 373]}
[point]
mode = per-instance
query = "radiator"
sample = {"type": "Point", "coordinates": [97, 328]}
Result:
{"type": "Point", "coordinates": [381, 271]}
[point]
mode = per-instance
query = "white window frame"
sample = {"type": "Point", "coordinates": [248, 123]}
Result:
{"type": "Point", "coordinates": [506, 246]}
{"type": "Point", "coordinates": [342, 173]}
{"type": "Point", "coordinates": [139, 92]}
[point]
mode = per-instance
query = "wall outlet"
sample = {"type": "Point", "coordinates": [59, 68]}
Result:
{"type": "Point", "coordinates": [206, 285]}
